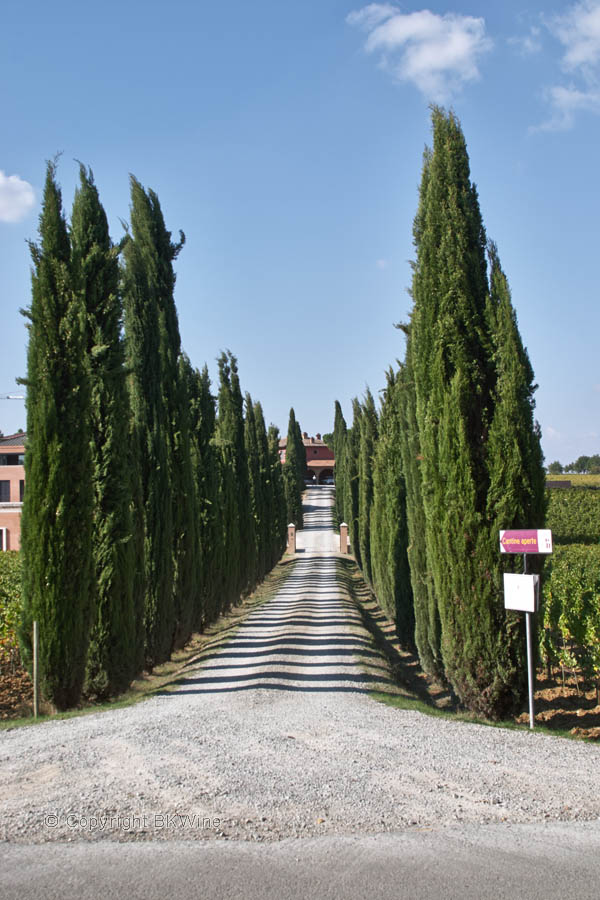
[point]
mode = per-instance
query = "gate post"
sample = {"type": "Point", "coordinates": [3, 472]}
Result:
{"type": "Point", "coordinates": [343, 538]}
{"type": "Point", "coordinates": [291, 539]}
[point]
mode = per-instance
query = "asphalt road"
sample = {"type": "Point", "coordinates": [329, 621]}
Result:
{"type": "Point", "coordinates": [553, 862]}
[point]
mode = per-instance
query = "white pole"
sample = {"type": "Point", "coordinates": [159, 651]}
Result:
{"type": "Point", "coordinates": [529, 668]}
{"type": "Point", "coordinates": [35, 670]}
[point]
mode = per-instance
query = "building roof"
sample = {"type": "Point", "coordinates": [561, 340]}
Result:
{"type": "Point", "coordinates": [13, 440]}
{"type": "Point", "coordinates": [307, 441]}
{"type": "Point", "coordinates": [320, 464]}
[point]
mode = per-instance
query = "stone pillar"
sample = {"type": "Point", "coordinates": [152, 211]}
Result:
{"type": "Point", "coordinates": [343, 538]}
{"type": "Point", "coordinates": [291, 539]}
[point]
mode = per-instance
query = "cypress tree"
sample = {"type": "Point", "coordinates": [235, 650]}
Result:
{"type": "Point", "coordinates": [257, 504]}
{"type": "Point", "coordinates": [58, 503]}
{"type": "Point", "coordinates": [239, 524]}
{"type": "Point", "coordinates": [339, 439]}
{"type": "Point", "coordinates": [113, 655]}
{"type": "Point", "coordinates": [293, 481]}
{"type": "Point", "coordinates": [144, 342]}
{"type": "Point", "coordinates": [389, 530]}
{"type": "Point", "coordinates": [351, 481]}
{"type": "Point", "coordinates": [269, 511]}
{"type": "Point", "coordinates": [368, 439]}
{"type": "Point", "coordinates": [187, 554]}
{"type": "Point", "coordinates": [426, 613]}
{"type": "Point", "coordinates": [279, 521]}
{"type": "Point", "coordinates": [455, 387]}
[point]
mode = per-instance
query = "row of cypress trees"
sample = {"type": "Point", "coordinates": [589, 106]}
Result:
{"type": "Point", "coordinates": [454, 454]}
{"type": "Point", "coordinates": [150, 507]}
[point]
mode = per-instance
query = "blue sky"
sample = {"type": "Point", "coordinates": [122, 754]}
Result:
{"type": "Point", "coordinates": [286, 140]}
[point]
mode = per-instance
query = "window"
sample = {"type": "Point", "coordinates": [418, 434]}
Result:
{"type": "Point", "coordinates": [21, 490]}
{"type": "Point", "coordinates": [3, 538]}
{"type": "Point", "coordinates": [12, 459]}
{"type": "Point", "coordinates": [4, 491]}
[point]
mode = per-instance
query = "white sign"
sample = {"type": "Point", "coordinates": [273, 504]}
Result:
{"type": "Point", "coordinates": [521, 592]}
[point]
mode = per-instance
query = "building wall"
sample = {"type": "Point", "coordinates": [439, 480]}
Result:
{"type": "Point", "coordinates": [10, 510]}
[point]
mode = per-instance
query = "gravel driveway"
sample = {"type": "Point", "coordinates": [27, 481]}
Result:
{"type": "Point", "coordinates": [274, 735]}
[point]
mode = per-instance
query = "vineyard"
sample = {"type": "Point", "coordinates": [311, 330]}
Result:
{"type": "Point", "coordinates": [574, 516]}
{"type": "Point", "coordinates": [569, 632]}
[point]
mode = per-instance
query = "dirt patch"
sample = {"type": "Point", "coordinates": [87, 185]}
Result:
{"type": "Point", "coordinates": [16, 693]}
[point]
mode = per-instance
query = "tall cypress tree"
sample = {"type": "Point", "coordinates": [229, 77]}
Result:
{"type": "Point", "coordinates": [455, 386]}
{"type": "Point", "coordinates": [187, 554]}
{"type": "Point", "coordinates": [208, 488]}
{"type": "Point", "coordinates": [257, 504]}
{"type": "Point", "coordinates": [239, 524]}
{"type": "Point", "coordinates": [368, 439]}
{"type": "Point", "coordinates": [389, 530]}
{"type": "Point", "coordinates": [268, 513]}
{"type": "Point", "coordinates": [427, 617]}
{"type": "Point", "coordinates": [144, 332]}
{"type": "Point", "coordinates": [339, 439]}
{"type": "Point", "coordinates": [279, 521]}
{"type": "Point", "coordinates": [351, 480]}
{"type": "Point", "coordinates": [113, 654]}
{"type": "Point", "coordinates": [294, 484]}
{"type": "Point", "coordinates": [58, 503]}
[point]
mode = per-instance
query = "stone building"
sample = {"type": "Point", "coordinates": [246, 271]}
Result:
{"type": "Point", "coordinates": [320, 461]}
{"type": "Point", "coordinates": [12, 488]}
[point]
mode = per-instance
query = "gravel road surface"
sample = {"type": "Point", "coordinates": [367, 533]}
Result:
{"type": "Point", "coordinates": [274, 736]}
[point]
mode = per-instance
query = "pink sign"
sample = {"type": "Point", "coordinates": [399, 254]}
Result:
{"type": "Point", "coordinates": [526, 540]}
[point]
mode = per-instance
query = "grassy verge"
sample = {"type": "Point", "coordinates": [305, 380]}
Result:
{"type": "Point", "coordinates": [167, 675]}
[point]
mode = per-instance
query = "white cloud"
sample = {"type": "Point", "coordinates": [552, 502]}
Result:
{"type": "Point", "coordinates": [578, 30]}
{"type": "Point", "coordinates": [438, 54]}
{"type": "Point", "coordinates": [565, 103]}
{"type": "Point", "coordinates": [16, 198]}
{"type": "Point", "coordinates": [528, 44]}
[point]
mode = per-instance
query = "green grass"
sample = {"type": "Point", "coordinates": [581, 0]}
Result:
{"type": "Point", "coordinates": [416, 705]}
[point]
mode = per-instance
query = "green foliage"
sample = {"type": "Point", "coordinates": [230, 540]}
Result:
{"type": "Point", "coordinates": [570, 629]}
{"type": "Point", "coordinates": [145, 326]}
{"type": "Point", "coordinates": [58, 506]}
{"type": "Point", "coordinates": [278, 518]}
{"type": "Point", "coordinates": [368, 439]}
{"type": "Point", "coordinates": [239, 524]}
{"type": "Point", "coordinates": [574, 515]}
{"type": "Point", "coordinates": [338, 445]}
{"type": "Point", "coordinates": [471, 442]}
{"type": "Point", "coordinates": [10, 607]}
{"type": "Point", "coordinates": [293, 472]}
{"type": "Point", "coordinates": [389, 531]}
{"type": "Point", "coordinates": [113, 655]}
{"type": "Point", "coordinates": [351, 480]}
{"type": "Point", "coordinates": [555, 468]}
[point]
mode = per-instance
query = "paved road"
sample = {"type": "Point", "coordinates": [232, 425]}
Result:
{"type": "Point", "coordinates": [316, 789]}
{"type": "Point", "coordinates": [489, 863]}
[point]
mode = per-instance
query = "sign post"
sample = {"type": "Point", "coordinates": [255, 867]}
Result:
{"type": "Point", "coordinates": [522, 592]}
